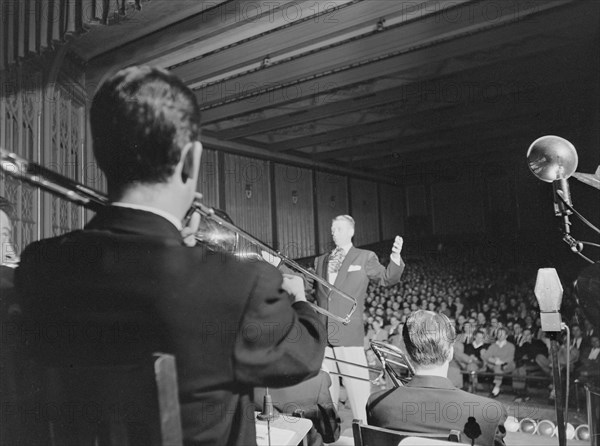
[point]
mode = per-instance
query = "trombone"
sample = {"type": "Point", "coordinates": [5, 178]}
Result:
{"type": "Point", "coordinates": [393, 360]}
{"type": "Point", "coordinates": [218, 232]}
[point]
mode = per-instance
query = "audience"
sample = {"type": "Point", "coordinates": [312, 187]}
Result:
{"type": "Point", "coordinates": [483, 300]}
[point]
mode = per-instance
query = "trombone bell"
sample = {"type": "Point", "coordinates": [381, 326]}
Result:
{"type": "Point", "coordinates": [218, 232]}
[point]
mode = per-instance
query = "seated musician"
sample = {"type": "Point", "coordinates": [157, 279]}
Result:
{"type": "Point", "coordinates": [129, 284]}
{"type": "Point", "coordinates": [9, 311]}
{"type": "Point", "coordinates": [429, 402]}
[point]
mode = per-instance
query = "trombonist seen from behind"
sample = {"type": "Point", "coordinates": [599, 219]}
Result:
{"type": "Point", "coordinates": [127, 285]}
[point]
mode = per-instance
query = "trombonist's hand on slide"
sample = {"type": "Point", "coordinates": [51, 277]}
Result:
{"type": "Point", "coordinates": [396, 249]}
{"type": "Point", "coordinates": [189, 232]}
{"type": "Point", "coordinates": [294, 285]}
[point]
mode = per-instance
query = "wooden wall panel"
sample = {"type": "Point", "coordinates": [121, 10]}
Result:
{"type": "Point", "coordinates": [365, 211]}
{"type": "Point", "coordinates": [332, 200]}
{"type": "Point", "coordinates": [458, 208]}
{"type": "Point", "coordinates": [208, 182]}
{"type": "Point", "coordinates": [251, 213]}
{"type": "Point", "coordinates": [392, 210]}
{"type": "Point", "coordinates": [20, 106]}
{"type": "Point", "coordinates": [49, 132]}
{"type": "Point", "coordinates": [294, 210]}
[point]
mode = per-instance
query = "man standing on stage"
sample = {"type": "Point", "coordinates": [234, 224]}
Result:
{"type": "Point", "coordinates": [350, 270]}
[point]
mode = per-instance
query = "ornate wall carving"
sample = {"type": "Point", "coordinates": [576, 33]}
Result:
{"type": "Point", "coordinates": [44, 123]}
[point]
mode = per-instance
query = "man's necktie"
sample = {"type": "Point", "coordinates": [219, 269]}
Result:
{"type": "Point", "coordinates": [335, 261]}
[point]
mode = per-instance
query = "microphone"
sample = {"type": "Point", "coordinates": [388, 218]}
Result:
{"type": "Point", "coordinates": [267, 412]}
{"type": "Point", "coordinates": [554, 159]}
{"type": "Point", "coordinates": [548, 292]}
{"type": "Point", "coordinates": [562, 195]}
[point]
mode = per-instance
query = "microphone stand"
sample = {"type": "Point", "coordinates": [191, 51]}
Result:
{"type": "Point", "coordinates": [267, 413]}
{"type": "Point", "coordinates": [560, 416]}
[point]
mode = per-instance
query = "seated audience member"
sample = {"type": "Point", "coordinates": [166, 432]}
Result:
{"type": "Point", "coordinates": [544, 361]}
{"type": "Point", "coordinates": [376, 332]}
{"type": "Point", "coordinates": [577, 339]}
{"type": "Point", "coordinates": [526, 350]}
{"type": "Point", "coordinates": [492, 330]}
{"type": "Point", "coordinates": [474, 349]}
{"type": "Point", "coordinates": [517, 334]}
{"type": "Point", "coordinates": [459, 361]}
{"type": "Point", "coordinates": [499, 358]}
{"type": "Point", "coordinates": [394, 332]}
{"type": "Point", "coordinates": [460, 322]}
{"type": "Point", "coordinates": [309, 399]}
{"type": "Point", "coordinates": [429, 402]}
{"type": "Point", "coordinates": [589, 361]}
{"type": "Point", "coordinates": [590, 330]}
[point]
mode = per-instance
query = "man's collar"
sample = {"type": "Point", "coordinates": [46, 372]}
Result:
{"type": "Point", "coordinates": [166, 215]}
{"type": "Point", "coordinates": [346, 248]}
{"type": "Point", "coordinates": [432, 381]}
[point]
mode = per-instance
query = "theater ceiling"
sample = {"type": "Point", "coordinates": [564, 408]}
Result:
{"type": "Point", "coordinates": [372, 86]}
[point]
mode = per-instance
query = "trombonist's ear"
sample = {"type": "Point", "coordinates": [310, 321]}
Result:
{"type": "Point", "coordinates": [191, 160]}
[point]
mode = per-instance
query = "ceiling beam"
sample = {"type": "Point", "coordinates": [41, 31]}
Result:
{"type": "Point", "coordinates": [276, 94]}
{"type": "Point", "coordinates": [310, 27]}
{"type": "Point", "coordinates": [467, 136]}
{"type": "Point", "coordinates": [394, 40]}
{"type": "Point", "coordinates": [536, 94]}
{"type": "Point", "coordinates": [210, 142]}
{"type": "Point", "coordinates": [490, 150]}
{"type": "Point", "coordinates": [427, 122]}
{"type": "Point", "coordinates": [206, 27]}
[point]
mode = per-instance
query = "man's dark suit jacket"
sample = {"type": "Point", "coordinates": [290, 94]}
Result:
{"type": "Point", "coordinates": [358, 269]}
{"type": "Point", "coordinates": [126, 286]}
{"type": "Point", "coordinates": [433, 404]}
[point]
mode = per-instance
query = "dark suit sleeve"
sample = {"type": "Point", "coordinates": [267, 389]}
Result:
{"type": "Point", "coordinates": [278, 344]}
{"type": "Point", "coordinates": [382, 275]}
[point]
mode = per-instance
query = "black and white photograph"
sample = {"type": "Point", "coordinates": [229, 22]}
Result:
{"type": "Point", "coordinates": [299, 222]}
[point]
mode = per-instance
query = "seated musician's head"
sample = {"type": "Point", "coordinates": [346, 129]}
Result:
{"type": "Point", "coordinates": [429, 339]}
{"type": "Point", "coordinates": [145, 127]}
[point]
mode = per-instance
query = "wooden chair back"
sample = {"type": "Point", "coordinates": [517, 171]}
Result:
{"type": "Point", "coordinates": [365, 435]}
{"type": "Point", "coordinates": [129, 405]}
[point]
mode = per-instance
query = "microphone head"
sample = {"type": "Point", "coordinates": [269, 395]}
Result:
{"type": "Point", "coordinates": [552, 158]}
{"type": "Point", "coordinates": [548, 290]}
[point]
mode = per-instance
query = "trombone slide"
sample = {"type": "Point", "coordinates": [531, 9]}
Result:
{"type": "Point", "coordinates": [39, 176]}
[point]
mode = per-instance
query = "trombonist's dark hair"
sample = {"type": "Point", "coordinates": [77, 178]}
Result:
{"type": "Point", "coordinates": [428, 337]}
{"type": "Point", "coordinates": [141, 118]}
